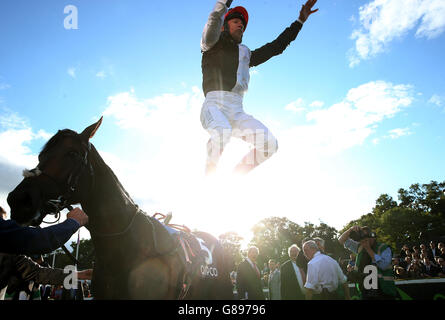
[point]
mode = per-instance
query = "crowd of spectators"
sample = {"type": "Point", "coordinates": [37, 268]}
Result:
{"type": "Point", "coordinates": [420, 261]}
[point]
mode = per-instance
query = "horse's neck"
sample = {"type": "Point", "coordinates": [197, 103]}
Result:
{"type": "Point", "coordinates": [108, 206]}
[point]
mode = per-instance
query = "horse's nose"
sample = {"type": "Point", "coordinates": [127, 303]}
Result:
{"type": "Point", "coordinates": [21, 204]}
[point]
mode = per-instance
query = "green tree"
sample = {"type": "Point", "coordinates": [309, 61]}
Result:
{"type": "Point", "coordinates": [419, 215]}
{"type": "Point", "coordinates": [231, 243]}
{"type": "Point", "coordinates": [273, 236]}
{"type": "Point", "coordinates": [86, 255]}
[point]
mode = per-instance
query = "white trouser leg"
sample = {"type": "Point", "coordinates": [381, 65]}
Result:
{"type": "Point", "coordinates": [220, 130]}
{"type": "Point", "coordinates": [256, 133]}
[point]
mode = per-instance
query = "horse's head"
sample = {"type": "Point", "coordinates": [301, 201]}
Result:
{"type": "Point", "coordinates": [61, 178]}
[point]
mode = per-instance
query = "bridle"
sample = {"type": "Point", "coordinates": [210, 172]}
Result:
{"type": "Point", "coordinates": [55, 206]}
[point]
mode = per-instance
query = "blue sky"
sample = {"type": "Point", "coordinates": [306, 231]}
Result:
{"type": "Point", "coordinates": [357, 103]}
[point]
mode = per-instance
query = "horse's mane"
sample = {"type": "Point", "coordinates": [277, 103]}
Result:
{"type": "Point", "coordinates": [55, 139]}
{"type": "Point", "coordinates": [97, 159]}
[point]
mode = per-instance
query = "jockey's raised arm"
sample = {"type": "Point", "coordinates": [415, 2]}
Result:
{"type": "Point", "coordinates": [212, 29]}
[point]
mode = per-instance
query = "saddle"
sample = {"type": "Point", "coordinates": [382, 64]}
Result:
{"type": "Point", "coordinates": [195, 254]}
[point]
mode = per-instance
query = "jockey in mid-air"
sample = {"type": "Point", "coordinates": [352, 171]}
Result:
{"type": "Point", "coordinates": [225, 69]}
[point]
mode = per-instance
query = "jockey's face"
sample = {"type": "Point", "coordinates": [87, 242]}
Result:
{"type": "Point", "coordinates": [236, 29]}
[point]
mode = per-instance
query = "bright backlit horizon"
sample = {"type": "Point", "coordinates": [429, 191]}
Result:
{"type": "Point", "coordinates": [357, 103]}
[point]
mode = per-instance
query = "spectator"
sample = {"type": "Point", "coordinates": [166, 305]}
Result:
{"type": "Point", "coordinates": [402, 263]}
{"type": "Point", "coordinates": [399, 271]}
{"type": "Point", "coordinates": [408, 261]}
{"type": "Point", "coordinates": [362, 241]}
{"type": "Point", "coordinates": [249, 277]}
{"type": "Point", "coordinates": [58, 292]}
{"type": "Point", "coordinates": [301, 259]}
{"type": "Point", "coordinates": [233, 280]}
{"type": "Point", "coordinates": [429, 269]}
{"type": "Point", "coordinates": [403, 252]}
{"type": "Point", "coordinates": [416, 251]}
{"type": "Point", "coordinates": [414, 271]}
{"type": "Point", "coordinates": [292, 277]}
{"type": "Point", "coordinates": [442, 252]}
{"type": "Point", "coordinates": [352, 258]}
{"type": "Point", "coordinates": [266, 269]}
{"type": "Point", "coordinates": [274, 282]}
{"type": "Point", "coordinates": [441, 267]}
{"type": "Point", "coordinates": [324, 274]}
{"type": "Point", "coordinates": [433, 249]}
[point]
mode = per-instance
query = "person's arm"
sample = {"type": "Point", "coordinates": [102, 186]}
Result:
{"type": "Point", "coordinates": [277, 46]}
{"type": "Point", "coordinates": [345, 235]}
{"type": "Point", "coordinates": [26, 240]}
{"type": "Point", "coordinates": [212, 29]}
{"type": "Point", "coordinates": [32, 271]}
{"type": "Point", "coordinates": [383, 260]}
{"type": "Point", "coordinates": [311, 280]}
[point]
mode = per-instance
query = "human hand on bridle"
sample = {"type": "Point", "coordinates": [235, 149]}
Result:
{"type": "Point", "coordinates": [78, 215]}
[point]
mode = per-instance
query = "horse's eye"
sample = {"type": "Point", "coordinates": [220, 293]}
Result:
{"type": "Point", "coordinates": [73, 154]}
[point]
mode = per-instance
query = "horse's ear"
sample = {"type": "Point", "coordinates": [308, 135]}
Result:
{"type": "Point", "coordinates": [89, 132]}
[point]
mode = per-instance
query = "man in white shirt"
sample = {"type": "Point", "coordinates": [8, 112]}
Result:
{"type": "Point", "coordinates": [324, 275]}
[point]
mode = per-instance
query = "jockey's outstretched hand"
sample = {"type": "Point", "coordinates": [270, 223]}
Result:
{"type": "Point", "coordinates": [306, 10]}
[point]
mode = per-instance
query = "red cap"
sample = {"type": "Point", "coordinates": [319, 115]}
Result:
{"type": "Point", "coordinates": [238, 12]}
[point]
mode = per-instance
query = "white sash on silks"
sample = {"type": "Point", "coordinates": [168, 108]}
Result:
{"type": "Point", "coordinates": [2, 293]}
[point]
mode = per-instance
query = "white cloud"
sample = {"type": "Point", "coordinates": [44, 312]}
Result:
{"type": "Point", "coordinates": [317, 104]}
{"type": "Point", "coordinates": [15, 137]}
{"type": "Point", "coordinates": [437, 100]}
{"type": "Point", "coordinates": [399, 132]}
{"type": "Point", "coordinates": [4, 86]}
{"type": "Point", "coordinates": [71, 72]}
{"type": "Point", "coordinates": [349, 122]}
{"type": "Point", "coordinates": [296, 106]}
{"type": "Point", "coordinates": [382, 21]}
{"type": "Point", "coordinates": [101, 74]}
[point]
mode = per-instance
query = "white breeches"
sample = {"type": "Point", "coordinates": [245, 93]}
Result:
{"type": "Point", "coordinates": [222, 115]}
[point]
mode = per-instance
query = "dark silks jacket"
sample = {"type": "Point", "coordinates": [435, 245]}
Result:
{"type": "Point", "coordinates": [221, 54]}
